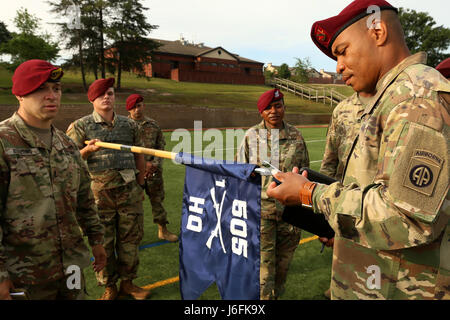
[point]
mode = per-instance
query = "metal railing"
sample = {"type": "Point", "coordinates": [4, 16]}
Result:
{"type": "Point", "coordinates": [320, 94]}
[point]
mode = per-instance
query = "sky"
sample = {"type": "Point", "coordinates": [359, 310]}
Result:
{"type": "Point", "coordinates": [263, 30]}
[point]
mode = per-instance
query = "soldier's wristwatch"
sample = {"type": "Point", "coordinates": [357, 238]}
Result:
{"type": "Point", "coordinates": [306, 193]}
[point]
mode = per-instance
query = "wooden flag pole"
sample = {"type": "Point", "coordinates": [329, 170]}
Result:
{"type": "Point", "coordinates": [148, 151]}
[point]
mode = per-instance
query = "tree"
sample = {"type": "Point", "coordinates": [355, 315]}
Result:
{"type": "Point", "coordinates": [302, 68]}
{"type": "Point", "coordinates": [89, 37]}
{"type": "Point", "coordinates": [268, 75]}
{"type": "Point", "coordinates": [5, 35]}
{"type": "Point", "coordinates": [94, 18]}
{"type": "Point", "coordinates": [283, 71]}
{"type": "Point", "coordinates": [422, 34]}
{"type": "Point", "coordinates": [131, 50]}
{"type": "Point", "coordinates": [27, 23]}
{"type": "Point", "coordinates": [112, 35]}
{"type": "Point", "coordinates": [75, 33]}
{"type": "Point", "coordinates": [27, 45]}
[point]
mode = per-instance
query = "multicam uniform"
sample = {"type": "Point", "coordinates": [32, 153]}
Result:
{"type": "Point", "coordinates": [153, 138]}
{"type": "Point", "coordinates": [278, 239]}
{"type": "Point", "coordinates": [391, 213]}
{"type": "Point", "coordinates": [117, 194]}
{"type": "Point", "coordinates": [45, 197]}
{"type": "Point", "coordinates": [344, 127]}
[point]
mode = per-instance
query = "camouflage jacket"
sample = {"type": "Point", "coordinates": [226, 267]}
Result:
{"type": "Point", "coordinates": [258, 146]}
{"type": "Point", "coordinates": [45, 198]}
{"type": "Point", "coordinates": [152, 137]}
{"type": "Point", "coordinates": [344, 126]}
{"type": "Point", "coordinates": [391, 213]}
{"type": "Point", "coordinates": [123, 131]}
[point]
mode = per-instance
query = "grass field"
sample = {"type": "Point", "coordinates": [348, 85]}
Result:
{"type": "Point", "coordinates": [164, 91]}
{"type": "Point", "coordinates": [309, 274]}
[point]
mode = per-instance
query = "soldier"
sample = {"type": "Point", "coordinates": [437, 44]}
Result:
{"type": "Point", "coordinates": [117, 180]}
{"type": "Point", "coordinates": [286, 149]}
{"type": "Point", "coordinates": [391, 212]}
{"type": "Point", "coordinates": [154, 184]}
{"type": "Point", "coordinates": [444, 68]}
{"type": "Point", "coordinates": [344, 126]}
{"type": "Point", "coordinates": [45, 195]}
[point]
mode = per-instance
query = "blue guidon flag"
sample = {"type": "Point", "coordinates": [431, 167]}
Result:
{"type": "Point", "coordinates": [220, 229]}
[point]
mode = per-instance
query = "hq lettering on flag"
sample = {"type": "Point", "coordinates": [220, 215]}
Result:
{"type": "Point", "coordinates": [220, 229]}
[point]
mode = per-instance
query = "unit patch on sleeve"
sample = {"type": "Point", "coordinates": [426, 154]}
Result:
{"type": "Point", "coordinates": [423, 171]}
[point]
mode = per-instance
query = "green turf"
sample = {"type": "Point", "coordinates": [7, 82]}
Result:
{"type": "Point", "coordinates": [164, 91]}
{"type": "Point", "coordinates": [309, 275]}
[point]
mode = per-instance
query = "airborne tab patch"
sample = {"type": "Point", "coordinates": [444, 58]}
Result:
{"type": "Point", "coordinates": [423, 172]}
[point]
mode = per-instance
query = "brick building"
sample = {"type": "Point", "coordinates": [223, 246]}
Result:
{"type": "Point", "coordinates": [325, 77]}
{"type": "Point", "coordinates": [184, 61]}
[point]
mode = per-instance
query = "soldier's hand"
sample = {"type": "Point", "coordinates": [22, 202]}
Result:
{"type": "Point", "coordinates": [5, 288]}
{"type": "Point", "coordinates": [288, 192]}
{"type": "Point", "coordinates": [327, 242]}
{"type": "Point", "coordinates": [150, 169]}
{"type": "Point", "coordinates": [99, 257]}
{"type": "Point", "coordinates": [90, 148]}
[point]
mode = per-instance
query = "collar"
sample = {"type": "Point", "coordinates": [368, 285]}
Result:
{"type": "Point", "coordinates": [283, 131]}
{"type": "Point", "coordinates": [143, 120]}
{"type": "Point", "coordinates": [391, 75]}
{"type": "Point", "coordinates": [32, 139]}
{"type": "Point", "coordinates": [99, 119]}
{"type": "Point", "coordinates": [354, 99]}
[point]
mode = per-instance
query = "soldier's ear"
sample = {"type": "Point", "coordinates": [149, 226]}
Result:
{"type": "Point", "coordinates": [379, 33]}
{"type": "Point", "coordinates": [19, 98]}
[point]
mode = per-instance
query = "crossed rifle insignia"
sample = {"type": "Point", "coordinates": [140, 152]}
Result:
{"type": "Point", "coordinates": [217, 232]}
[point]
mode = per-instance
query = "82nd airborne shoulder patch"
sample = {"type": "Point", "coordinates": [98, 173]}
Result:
{"type": "Point", "coordinates": [423, 171]}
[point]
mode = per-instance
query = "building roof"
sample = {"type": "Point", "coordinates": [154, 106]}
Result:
{"type": "Point", "coordinates": [331, 74]}
{"type": "Point", "coordinates": [189, 49]}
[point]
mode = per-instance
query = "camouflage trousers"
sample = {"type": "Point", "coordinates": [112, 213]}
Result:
{"type": "Point", "coordinates": [121, 212]}
{"type": "Point", "coordinates": [54, 290]}
{"type": "Point", "coordinates": [154, 188]}
{"type": "Point", "coordinates": [278, 242]}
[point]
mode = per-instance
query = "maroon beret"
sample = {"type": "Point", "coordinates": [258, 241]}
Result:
{"type": "Point", "coordinates": [267, 98]}
{"type": "Point", "coordinates": [324, 32]}
{"type": "Point", "coordinates": [99, 87]}
{"type": "Point", "coordinates": [132, 100]}
{"type": "Point", "coordinates": [31, 74]}
{"type": "Point", "coordinates": [444, 68]}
